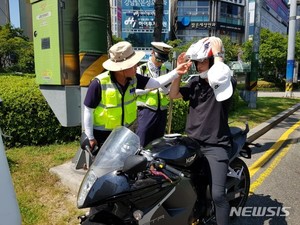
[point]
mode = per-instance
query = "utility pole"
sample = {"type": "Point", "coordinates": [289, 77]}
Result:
{"type": "Point", "coordinates": [159, 10]}
{"type": "Point", "coordinates": [291, 49]}
{"type": "Point", "coordinates": [251, 84]}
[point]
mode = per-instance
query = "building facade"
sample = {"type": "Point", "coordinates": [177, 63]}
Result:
{"type": "Point", "coordinates": [274, 16]}
{"type": "Point", "coordinates": [116, 17]}
{"type": "Point", "coordinates": [4, 12]}
{"type": "Point", "coordinates": [26, 18]}
{"type": "Point", "coordinates": [133, 20]}
{"type": "Point", "coordinates": [196, 19]}
{"type": "Point", "coordinates": [138, 23]}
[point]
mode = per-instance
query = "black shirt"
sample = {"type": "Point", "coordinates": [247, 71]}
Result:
{"type": "Point", "coordinates": [207, 119]}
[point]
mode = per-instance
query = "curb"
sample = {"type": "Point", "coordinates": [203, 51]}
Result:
{"type": "Point", "coordinates": [69, 176]}
{"type": "Point", "coordinates": [264, 127]}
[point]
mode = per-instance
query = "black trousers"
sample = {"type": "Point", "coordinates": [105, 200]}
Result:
{"type": "Point", "coordinates": [217, 158]}
{"type": "Point", "coordinates": [151, 124]}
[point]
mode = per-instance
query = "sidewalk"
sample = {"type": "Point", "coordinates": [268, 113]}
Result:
{"type": "Point", "coordinates": [72, 178]}
{"type": "Point", "coordinates": [295, 94]}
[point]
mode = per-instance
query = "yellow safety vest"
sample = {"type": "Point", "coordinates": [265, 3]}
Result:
{"type": "Point", "coordinates": [154, 98]}
{"type": "Point", "coordinates": [115, 109]}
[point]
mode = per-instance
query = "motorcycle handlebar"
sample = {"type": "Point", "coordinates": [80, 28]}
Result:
{"type": "Point", "coordinates": [173, 170]}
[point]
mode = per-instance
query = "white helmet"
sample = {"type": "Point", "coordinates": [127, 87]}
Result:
{"type": "Point", "coordinates": [201, 50]}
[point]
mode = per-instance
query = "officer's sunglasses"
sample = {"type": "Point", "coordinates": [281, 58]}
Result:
{"type": "Point", "coordinates": [160, 60]}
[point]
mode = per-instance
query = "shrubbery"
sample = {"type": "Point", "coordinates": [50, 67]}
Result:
{"type": "Point", "coordinates": [277, 85]}
{"type": "Point", "coordinates": [179, 113]}
{"type": "Point", "coordinates": [26, 116]}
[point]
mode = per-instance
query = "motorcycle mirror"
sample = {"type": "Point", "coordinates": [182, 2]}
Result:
{"type": "Point", "coordinates": [134, 164]}
{"type": "Point", "coordinates": [84, 141]}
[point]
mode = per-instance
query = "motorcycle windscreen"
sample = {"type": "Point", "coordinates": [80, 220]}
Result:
{"type": "Point", "coordinates": [120, 144]}
{"type": "Point", "coordinates": [102, 175]}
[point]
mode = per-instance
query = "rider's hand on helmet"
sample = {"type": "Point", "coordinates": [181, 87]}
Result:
{"type": "Point", "coordinates": [216, 45]}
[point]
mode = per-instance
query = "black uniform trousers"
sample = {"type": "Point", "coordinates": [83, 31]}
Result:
{"type": "Point", "coordinates": [151, 124]}
{"type": "Point", "coordinates": [217, 158]}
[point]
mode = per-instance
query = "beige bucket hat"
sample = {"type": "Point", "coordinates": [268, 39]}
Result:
{"type": "Point", "coordinates": [122, 57]}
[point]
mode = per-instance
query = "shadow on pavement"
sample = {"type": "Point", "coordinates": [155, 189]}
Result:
{"type": "Point", "coordinates": [268, 145]}
{"type": "Point", "coordinates": [261, 210]}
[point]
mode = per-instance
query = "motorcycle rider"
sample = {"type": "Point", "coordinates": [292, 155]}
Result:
{"type": "Point", "coordinates": [209, 97]}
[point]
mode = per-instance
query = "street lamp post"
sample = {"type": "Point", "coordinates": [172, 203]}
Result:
{"type": "Point", "coordinates": [291, 49]}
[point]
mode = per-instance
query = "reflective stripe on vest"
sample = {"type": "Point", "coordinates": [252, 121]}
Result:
{"type": "Point", "coordinates": [114, 108]}
{"type": "Point", "coordinates": [150, 100]}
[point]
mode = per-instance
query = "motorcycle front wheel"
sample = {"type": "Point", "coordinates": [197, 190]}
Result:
{"type": "Point", "coordinates": [238, 189]}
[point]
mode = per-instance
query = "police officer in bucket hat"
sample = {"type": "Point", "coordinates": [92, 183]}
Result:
{"type": "Point", "coordinates": [111, 96]}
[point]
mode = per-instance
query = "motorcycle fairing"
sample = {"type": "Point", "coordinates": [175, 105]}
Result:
{"type": "Point", "coordinates": [115, 186]}
{"type": "Point", "coordinates": [238, 140]}
{"type": "Point", "coordinates": [174, 208]}
{"type": "Point", "coordinates": [105, 187]}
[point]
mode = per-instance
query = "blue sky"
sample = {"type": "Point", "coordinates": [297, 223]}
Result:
{"type": "Point", "coordinates": [14, 13]}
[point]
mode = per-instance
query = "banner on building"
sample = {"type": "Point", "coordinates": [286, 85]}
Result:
{"type": "Point", "coordinates": [139, 16]}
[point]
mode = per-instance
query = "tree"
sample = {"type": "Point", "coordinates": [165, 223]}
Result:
{"type": "Point", "coordinates": [297, 47]}
{"type": "Point", "coordinates": [116, 39]}
{"type": "Point", "coordinates": [231, 49]}
{"type": "Point", "coordinates": [16, 52]}
{"type": "Point", "coordinates": [159, 10]}
{"type": "Point", "coordinates": [272, 54]}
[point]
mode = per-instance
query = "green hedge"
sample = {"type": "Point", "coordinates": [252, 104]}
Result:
{"type": "Point", "coordinates": [26, 116]}
{"type": "Point", "coordinates": [179, 113]}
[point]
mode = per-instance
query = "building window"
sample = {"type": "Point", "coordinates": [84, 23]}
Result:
{"type": "Point", "coordinates": [196, 11]}
{"type": "Point", "coordinates": [232, 14]}
{"type": "Point", "coordinates": [189, 35]}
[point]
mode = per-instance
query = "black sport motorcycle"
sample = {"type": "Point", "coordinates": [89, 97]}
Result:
{"type": "Point", "coordinates": [165, 183]}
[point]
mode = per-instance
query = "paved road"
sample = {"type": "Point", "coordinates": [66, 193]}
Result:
{"type": "Point", "coordinates": [275, 185]}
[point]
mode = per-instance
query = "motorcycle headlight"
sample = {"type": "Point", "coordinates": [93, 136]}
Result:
{"type": "Point", "coordinates": [85, 187]}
